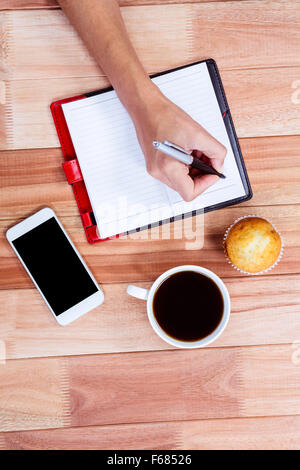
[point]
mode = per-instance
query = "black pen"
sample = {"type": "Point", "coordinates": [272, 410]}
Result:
{"type": "Point", "coordinates": [183, 156]}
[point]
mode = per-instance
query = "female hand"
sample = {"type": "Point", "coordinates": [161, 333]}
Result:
{"type": "Point", "coordinates": [160, 119]}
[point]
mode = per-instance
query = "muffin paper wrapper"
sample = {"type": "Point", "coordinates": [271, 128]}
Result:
{"type": "Point", "coordinates": [241, 270]}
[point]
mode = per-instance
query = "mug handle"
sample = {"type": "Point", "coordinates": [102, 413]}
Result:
{"type": "Point", "coordinates": [138, 292]}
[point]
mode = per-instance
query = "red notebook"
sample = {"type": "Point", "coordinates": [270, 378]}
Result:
{"type": "Point", "coordinates": [72, 169]}
{"type": "Point", "coordinates": [222, 197]}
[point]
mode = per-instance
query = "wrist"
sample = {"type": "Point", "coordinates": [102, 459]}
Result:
{"type": "Point", "coordinates": [140, 95]}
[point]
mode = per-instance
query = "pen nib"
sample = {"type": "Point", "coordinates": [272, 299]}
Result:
{"type": "Point", "coordinates": [155, 143]}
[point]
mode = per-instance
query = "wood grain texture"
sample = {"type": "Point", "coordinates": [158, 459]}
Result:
{"type": "Point", "coordinates": [40, 4]}
{"type": "Point", "coordinates": [250, 94]}
{"type": "Point", "coordinates": [39, 131]}
{"type": "Point", "coordinates": [31, 167]}
{"type": "Point", "coordinates": [32, 334]}
{"type": "Point", "coordinates": [23, 405]}
{"type": "Point", "coordinates": [224, 396]}
{"type": "Point", "coordinates": [142, 387]}
{"type": "Point", "coordinates": [187, 32]}
{"type": "Point", "coordinates": [142, 259]}
{"type": "Point", "coordinates": [268, 433]}
{"type": "Point", "coordinates": [265, 310]}
{"type": "Point", "coordinates": [24, 4]}
{"type": "Point", "coordinates": [271, 162]}
{"type": "Point", "coordinates": [28, 124]}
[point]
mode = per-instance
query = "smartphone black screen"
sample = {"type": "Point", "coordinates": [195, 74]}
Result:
{"type": "Point", "coordinates": [55, 266]}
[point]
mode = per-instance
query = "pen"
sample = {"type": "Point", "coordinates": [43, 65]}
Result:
{"type": "Point", "coordinates": [183, 156]}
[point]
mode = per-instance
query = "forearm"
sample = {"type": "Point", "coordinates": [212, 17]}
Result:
{"type": "Point", "coordinates": [100, 24]}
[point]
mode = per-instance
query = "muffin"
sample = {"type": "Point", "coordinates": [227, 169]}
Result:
{"type": "Point", "coordinates": [252, 245]}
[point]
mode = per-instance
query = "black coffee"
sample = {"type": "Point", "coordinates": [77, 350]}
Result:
{"type": "Point", "coordinates": [188, 306]}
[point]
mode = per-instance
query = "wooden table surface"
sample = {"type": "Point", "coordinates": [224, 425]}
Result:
{"type": "Point", "coordinates": [107, 381]}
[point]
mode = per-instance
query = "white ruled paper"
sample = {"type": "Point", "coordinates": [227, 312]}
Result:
{"type": "Point", "coordinates": [123, 195]}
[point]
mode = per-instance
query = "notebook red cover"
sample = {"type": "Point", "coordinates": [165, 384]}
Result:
{"type": "Point", "coordinates": [72, 170]}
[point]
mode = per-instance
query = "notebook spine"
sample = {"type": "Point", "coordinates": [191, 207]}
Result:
{"type": "Point", "coordinates": [222, 100]}
{"type": "Point", "coordinates": [217, 84]}
{"type": "Point", "coordinates": [73, 172]}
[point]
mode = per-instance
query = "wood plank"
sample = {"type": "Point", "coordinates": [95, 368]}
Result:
{"type": "Point", "coordinates": [268, 433]}
{"type": "Point", "coordinates": [144, 259]}
{"type": "Point", "coordinates": [263, 380]}
{"type": "Point", "coordinates": [39, 131]}
{"type": "Point", "coordinates": [160, 386]}
{"type": "Point", "coordinates": [23, 167]}
{"type": "Point", "coordinates": [268, 179]}
{"type": "Point", "coordinates": [39, 4]}
{"type": "Point", "coordinates": [185, 35]}
{"type": "Point", "coordinates": [27, 405]}
{"type": "Point", "coordinates": [35, 172]}
{"type": "Point", "coordinates": [265, 310]}
{"type": "Point", "coordinates": [24, 4]}
{"type": "Point", "coordinates": [238, 434]}
{"type": "Point", "coordinates": [255, 112]}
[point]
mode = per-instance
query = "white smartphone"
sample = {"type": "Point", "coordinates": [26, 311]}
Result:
{"type": "Point", "coordinates": [55, 266]}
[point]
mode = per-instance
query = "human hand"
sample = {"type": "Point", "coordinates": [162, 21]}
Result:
{"type": "Point", "coordinates": [160, 119]}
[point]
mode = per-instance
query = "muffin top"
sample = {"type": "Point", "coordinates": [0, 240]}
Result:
{"type": "Point", "coordinates": [253, 244]}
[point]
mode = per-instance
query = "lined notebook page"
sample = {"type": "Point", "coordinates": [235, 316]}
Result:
{"type": "Point", "coordinates": [123, 195]}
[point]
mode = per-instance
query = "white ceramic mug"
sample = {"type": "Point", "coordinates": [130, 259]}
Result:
{"type": "Point", "coordinates": [148, 295]}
